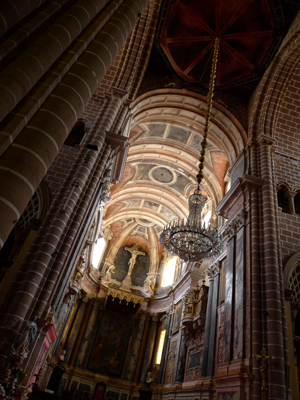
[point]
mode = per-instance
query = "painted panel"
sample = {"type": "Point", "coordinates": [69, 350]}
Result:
{"type": "Point", "coordinates": [111, 341]}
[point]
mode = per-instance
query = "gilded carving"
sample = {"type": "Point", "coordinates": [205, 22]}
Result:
{"type": "Point", "coordinates": [124, 295]}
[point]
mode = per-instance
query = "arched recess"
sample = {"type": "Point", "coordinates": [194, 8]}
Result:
{"type": "Point", "coordinates": [291, 276]}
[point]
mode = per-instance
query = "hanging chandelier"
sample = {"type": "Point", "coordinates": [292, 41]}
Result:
{"type": "Point", "coordinates": [190, 240]}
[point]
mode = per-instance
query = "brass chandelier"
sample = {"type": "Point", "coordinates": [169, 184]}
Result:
{"type": "Point", "coordinates": [190, 240]}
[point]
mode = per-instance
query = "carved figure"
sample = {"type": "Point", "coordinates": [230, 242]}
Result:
{"type": "Point", "coordinates": [111, 270]}
{"type": "Point", "coordinates": [149, 284]}
{"type": "Point", "coordinates": [135, 252]}
{"type": "Point", "coordinates": [27, 337]}
{"type": "Point", "coordinates": [62, 357]}
{"type": "Point", "coordinates": [108, 235]}
{"type": "Point", "coordinates": [149, 380]}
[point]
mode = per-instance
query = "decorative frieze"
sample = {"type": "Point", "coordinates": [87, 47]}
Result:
{"type": "Point", "coordinates": [120, 295]}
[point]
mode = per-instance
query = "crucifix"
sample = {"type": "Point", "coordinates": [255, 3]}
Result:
{"type": "Point", "coordinates": [264, 359]}
{"type": "Point", "coordinates": [135, 252]}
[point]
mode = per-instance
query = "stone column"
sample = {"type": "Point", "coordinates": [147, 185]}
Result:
{"type": "Point", "coordinates": [272, 277]}
{"type": "Point", "coordinates": [136, 347]}
{"type": "Point", "coordinates": [149, 349]}
{"type": "Point", "coordinates": [75, 329]}
{"type": "Point", "coordinates": [14, 11]}
{"type": "Point", "coordinates": [25, 71]}
{"type": "Point", "coordinates": [255, 325]}
{"type": "Point", "coordinates": [37, 145]}
{"type": "Point", "coordinates": [55, 270]}
{"type": "Point", "coordinates": [86, 341]}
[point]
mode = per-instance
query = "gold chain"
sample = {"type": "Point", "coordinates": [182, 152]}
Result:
{"type": "Point", "coordinates": [208, 109]}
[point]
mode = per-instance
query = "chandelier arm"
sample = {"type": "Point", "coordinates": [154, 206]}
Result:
{"type": "Point", "coordinates": [210, 96]}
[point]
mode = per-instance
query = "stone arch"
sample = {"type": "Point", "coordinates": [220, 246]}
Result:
{"type": "Point", "coordinates": [285, 197]}
{"type": "Point", "coordinates": [289, 266]}
{"type": "Point", "coordinates": [272, 90]}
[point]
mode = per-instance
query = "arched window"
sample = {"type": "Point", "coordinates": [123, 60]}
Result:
{"type": "Point", "coordinates": [169, 272]}
{"type": "Point", "coordinates": [76, 135]}
{"type": "Point", "coordinates": [206, 219]}
{"type": "Point", "coordinates": [283, 200]}
{"type": "Point", "coordinates": [228, 186]}
{"type": "Point", "coordinates": [98, 252]}
{"type": "Point", "coordinates": [297, 203]}
{"type": "Point", "coordinates": [160, 346]}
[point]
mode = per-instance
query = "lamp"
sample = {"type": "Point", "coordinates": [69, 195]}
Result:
{"type": "Point", "coordinates": [190, 240]}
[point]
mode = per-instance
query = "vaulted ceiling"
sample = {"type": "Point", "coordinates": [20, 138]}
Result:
{"type": "Point", "coordinates": [162, 163]}
{"type": "Point", "coordinates": [168, 116]}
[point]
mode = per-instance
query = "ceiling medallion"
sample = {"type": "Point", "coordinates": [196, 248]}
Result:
{"type": "Point", "coordinates": [190, 240]}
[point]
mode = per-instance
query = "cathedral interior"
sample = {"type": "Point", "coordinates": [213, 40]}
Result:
{"type": "Point", "coordinates": [107, 108]}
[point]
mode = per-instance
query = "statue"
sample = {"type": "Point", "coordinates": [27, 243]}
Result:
{"type": "Point", "coordinates": [27, 337]}
{"type": "Point", "coordinates": [149, 284]}
{"type": "Point", "coordinates": [62, 357]}
{"type": "Point", "coordinates": [145, 391]}
{"type": "Point", "coordinates": [135, 252]}
{"type": "Point", "coordinates": [111, 270]}
{"type": "Point", "coordinates": [149, 379]}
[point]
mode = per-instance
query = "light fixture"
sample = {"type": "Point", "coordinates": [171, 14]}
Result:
{"type": "Point", "coordinates": [190, 240]}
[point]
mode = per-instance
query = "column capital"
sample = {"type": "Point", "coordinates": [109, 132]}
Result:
{"type": "Point", "coordinates": [117, 92]}
{"type": "Point", "coordinates": [266, 139]}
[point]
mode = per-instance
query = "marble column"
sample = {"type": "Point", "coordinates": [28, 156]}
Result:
{"type": "Point", "coordinates": [82, 328]}
{"type": "Point", "coordinates": [181, 360]}
{"type": "Point", "coordinates": [213, 323]}
{"type": "Point", "coordinates": [149, 349]}
{"type": "Point", "coordinates": [75, 329]}
{"type": "Point", "coordinates": [228, 310]}
{"type": "Point", "coordinates": [207, 328]}
{"type": "Point", "coordinates": [136, 347]}
{"type": "Point", "coordinates": [239, 297]}
{"type": "Point", "coordinates": [86, 340]}
{"type": "Point", "coordinates": [165, 352]}
{"type": "Point", "coordinates": [139, 364]}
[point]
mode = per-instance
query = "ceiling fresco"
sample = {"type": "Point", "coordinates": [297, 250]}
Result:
{"type": "Point", "coordinates": [162, 164]}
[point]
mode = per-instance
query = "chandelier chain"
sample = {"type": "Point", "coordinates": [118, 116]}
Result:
{"type": "Point", "coordinates": [192, 240]}
{"type": "Point", "coordinates": [210, 96]}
